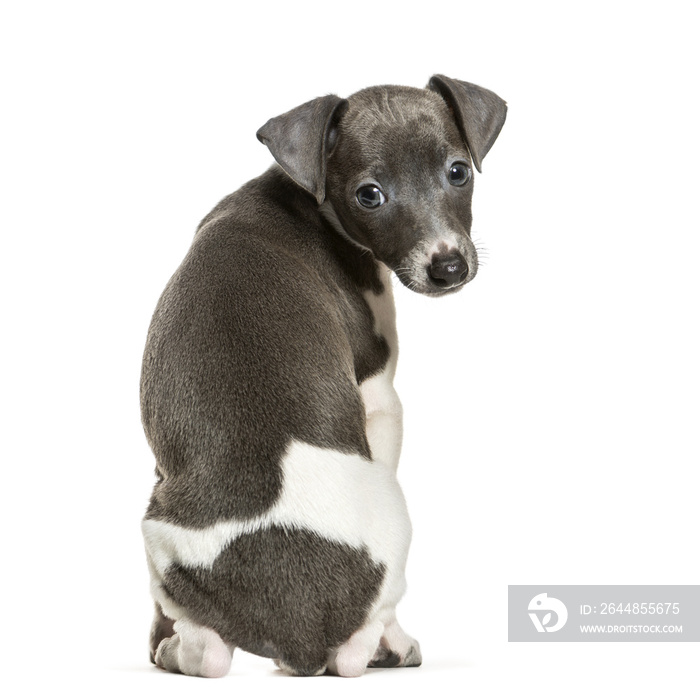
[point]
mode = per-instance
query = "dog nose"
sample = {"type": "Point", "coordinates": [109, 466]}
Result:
{"type": "Point", "coordinates": [448, 269]}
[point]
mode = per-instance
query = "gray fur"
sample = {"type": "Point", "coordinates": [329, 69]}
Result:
{"type": "Point", "coordinates": [263, 336]}
{"type": "Point", "coordinates": [402, 139]}
{"type": "Point", "coordinates": [480, 113]}
{"type": "Point", "coordinates": [256, 340]}
{"type": "Point", "coordinates": [290, 595]}
{"type": "Point", "coordinates": [301, 139]}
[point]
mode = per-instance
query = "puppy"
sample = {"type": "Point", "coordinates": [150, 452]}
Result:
{"type": "Point", "coordinates": [277, 523]}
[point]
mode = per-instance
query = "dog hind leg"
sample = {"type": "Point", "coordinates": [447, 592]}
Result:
{"type": "Point", "coordinates": [161, 628]}
{"type": "Point", "coordinates": [351, 658]}
{"type": "Point", "coordinates": [195, 651]}
{"type": "Point", "coordinates": [396, 648]}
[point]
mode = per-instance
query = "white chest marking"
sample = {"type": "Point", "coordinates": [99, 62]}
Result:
{"type": "Point", "coordinates": [382, 404]}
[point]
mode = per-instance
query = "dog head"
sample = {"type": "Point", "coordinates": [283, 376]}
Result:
{"type": "Point", "coordinates": [392, 169]}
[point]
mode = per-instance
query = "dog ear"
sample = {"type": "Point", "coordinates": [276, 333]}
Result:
{"type": "Point", "coordinates": [302, 139]}
{"type": "Point", "coordinates": [480, 113]}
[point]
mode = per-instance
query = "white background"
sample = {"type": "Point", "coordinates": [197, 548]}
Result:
{"type": "Point", "coordinates": [551, 407]}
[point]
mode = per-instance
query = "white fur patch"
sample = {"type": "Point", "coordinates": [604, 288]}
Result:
{"type": "Point", "coordinates": [352, 657]}
{"type": "Point", "coordinates": [445, 243]}
{"type": "Point", "coordinates": [382, 404]}
{"type": "Point", "coordinates": [344, 498]}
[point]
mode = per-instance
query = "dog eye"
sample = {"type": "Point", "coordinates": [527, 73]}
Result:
{"type": "Point", "coordinates": [460, 174]}
{"type": "Point", "coordinates": [370, 196]}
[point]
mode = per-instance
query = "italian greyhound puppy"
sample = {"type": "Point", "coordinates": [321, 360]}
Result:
{"type": "Point", "coordinates": [277, 524]}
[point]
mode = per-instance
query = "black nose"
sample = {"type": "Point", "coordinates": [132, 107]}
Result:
{"type": "Point", "coordinates": [448, 269]}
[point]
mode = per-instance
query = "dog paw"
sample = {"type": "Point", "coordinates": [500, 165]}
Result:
{"type": "Point", "coordinates": [292, 671]}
